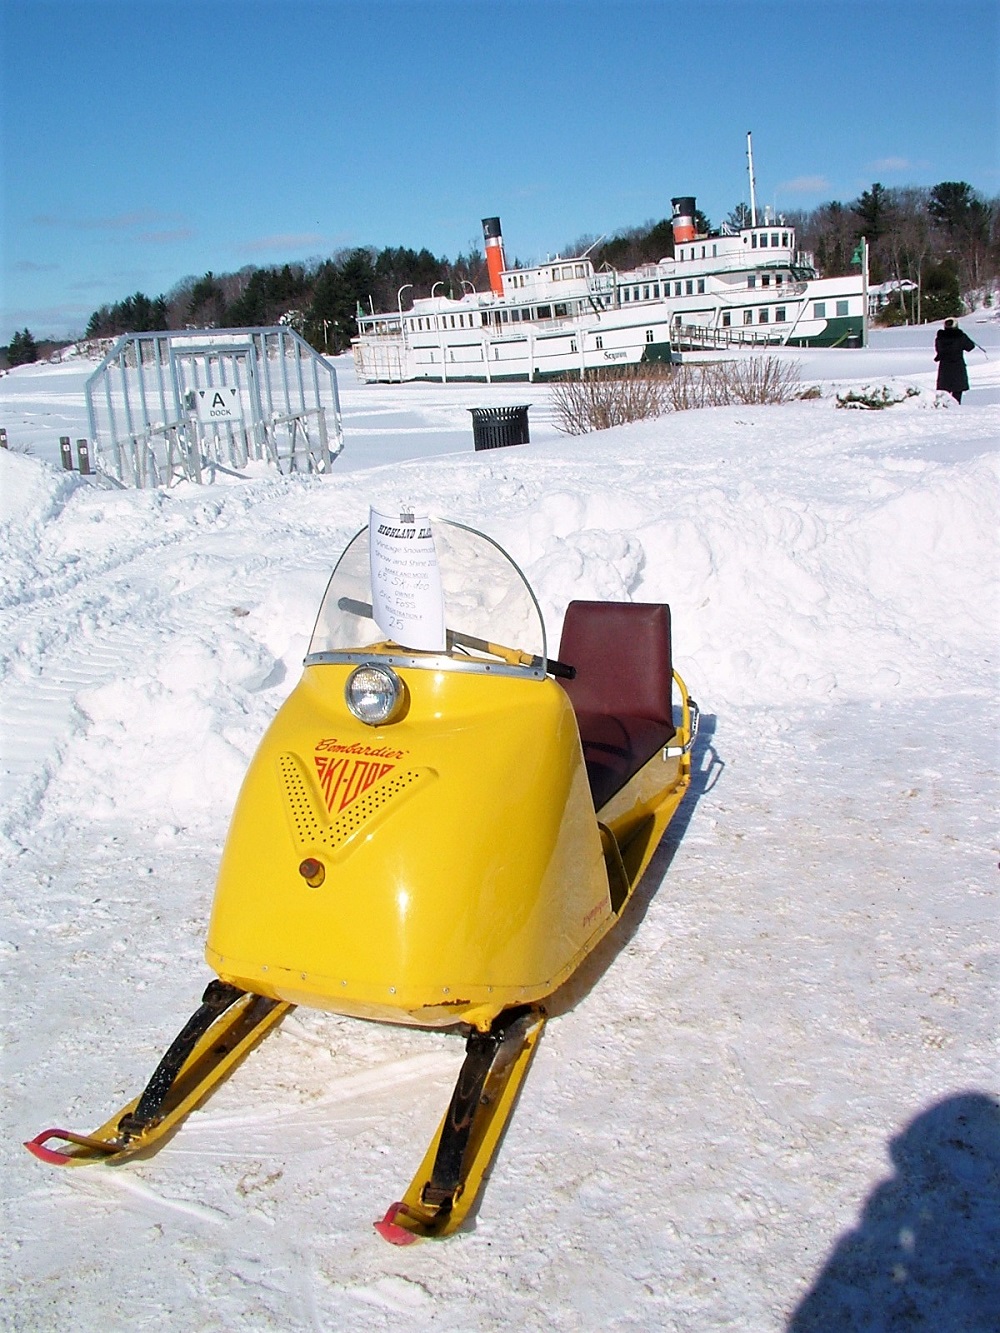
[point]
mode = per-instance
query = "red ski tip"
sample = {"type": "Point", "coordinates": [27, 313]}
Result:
{"type": "Point", "coordinates": [36, 1147]}
{"type": "Point", "coordinates": [390, 1230]}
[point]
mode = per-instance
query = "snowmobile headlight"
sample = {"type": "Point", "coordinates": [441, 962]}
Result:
{"type": "Point", "coordinates": [375, 694]}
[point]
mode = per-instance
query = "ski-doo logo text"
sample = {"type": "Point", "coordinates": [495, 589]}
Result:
{"type": "Point", "coordinates": [344, 780]}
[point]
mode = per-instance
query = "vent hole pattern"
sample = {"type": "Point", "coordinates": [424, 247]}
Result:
{"type": "Point", "coordinates": [300, 805]}
{"type": "Point", "coordinates": [310, 829]}
{"type": "Point", "coordinates": [361, 810]}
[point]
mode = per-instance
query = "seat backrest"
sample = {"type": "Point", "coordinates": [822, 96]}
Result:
{"type": "Point", "coordinates": [621, 651]}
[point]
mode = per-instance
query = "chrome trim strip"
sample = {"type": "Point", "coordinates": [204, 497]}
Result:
{"type": "Point", "coordinates": [423, 662]}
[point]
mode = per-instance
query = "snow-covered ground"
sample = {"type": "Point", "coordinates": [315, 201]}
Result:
{"type": "Point", "coordinates": [770, 1101]}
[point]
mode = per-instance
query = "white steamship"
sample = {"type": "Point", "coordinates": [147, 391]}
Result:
{"type": "Point", "coordinates": [746, 288]}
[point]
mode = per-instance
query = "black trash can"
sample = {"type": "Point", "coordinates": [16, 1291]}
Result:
{"type": "Point", "coordinates": [853, 340]}
{"type": "Point", "coordinates": [497, 427]}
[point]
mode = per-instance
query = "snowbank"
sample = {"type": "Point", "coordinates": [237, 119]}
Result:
{"type": "Point", "coordinates": [804, 989]}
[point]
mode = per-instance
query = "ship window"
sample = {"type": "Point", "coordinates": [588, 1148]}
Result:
{"type": "Point", "coordinates": [677, 289]}
{"type": "Point", "coordinates": [598, 342]}
{"type": "Point", "coordinates": [561, 311]}
{"type": "Point", "coordinates": [774, 239]}
{"type": "Point", "coordinates": [703, 252]}
{"type": "Point", "coordinates": [763, 240]}
{"type": "Point", "coordinates": [701, 285]}
{"type": "Point", "coordinates": [779, 278]}
{"type": "Point", "coordinates": [580, 273]}
{"type": "Point", "coordinates": [715, 251]}
{"type": "Point", "coordinates": [504, 315]}
{"type": "Point", "coordinates": [645, 293]}
{"type": "Point", "coordinates": [779, 315]}
{"type": "Point", "coordinates": [656, 291]}
{"type": "Point", "coordinates": [765, 280]}
{"type": "Point", "coordinates": [762, 317]}
{"type": "Point", "coordinates": [841, 307]}
{"type": "Point", "coordinates": [753, 240]}
{"type": "Point", "coordinates": [752, 280]}
{"type": "Point", "coordinates": [635, 293]}
{"type": "Point", "coordinates": [727, 318]}
{"type": "Point", "coordinates": [784, 238]}
{"type": "Point", "coordinates": [568, 271]}
{"type": "Point", "coordinates": [747, 316]}
{"type": "Point", "coordinates": [626, 293]}
{"type": "Point", "coordinates": [689, 287]}
{"type": "Point", "coordinates": [819, 310]}
{"type": "Point", "coordinates": [543, 312]}
{"type": "Point", "coordinates": [649, 335]}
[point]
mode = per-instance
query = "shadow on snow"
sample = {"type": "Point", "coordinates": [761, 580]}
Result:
{"type": "Point", "coordinates": [925, 1254]}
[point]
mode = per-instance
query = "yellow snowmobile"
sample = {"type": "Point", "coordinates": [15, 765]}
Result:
{"type": "Point", "coordinates": [434, 835]}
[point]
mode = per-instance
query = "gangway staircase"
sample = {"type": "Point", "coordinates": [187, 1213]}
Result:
{"type": "Point", "coordinates": [166, 407]}
{"type": "Point", "coordinates": [700, 338]}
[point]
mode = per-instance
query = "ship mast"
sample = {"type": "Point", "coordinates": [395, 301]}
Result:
{"type": "Point", "coordinates": [753, 192]}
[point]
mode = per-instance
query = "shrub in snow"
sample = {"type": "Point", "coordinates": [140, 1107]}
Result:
{"type": "Point", "coordinates": [871, 399]}
{"type": "Point", "coordinates": [602, 399]}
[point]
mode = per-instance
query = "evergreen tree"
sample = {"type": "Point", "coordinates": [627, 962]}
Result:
{"type": "Point", "coordinates": [22, 349]}
{"type": "Point", "coordinates": [268, 293]}
{"type": "Point", "coordinates": [954, 206]}
{"type": "Point", "coordinates": [965, 220]}
{"type": "Point", "coordinates": [942, 297]}
{"type": "Point", "coordinates": [340, 287]}
{"type": "Point", "coordinates": [136, 314]}
{"type": "Point", "coordinates": [207, 302]}
{"type": "Point", "coordinates": [874, 213]}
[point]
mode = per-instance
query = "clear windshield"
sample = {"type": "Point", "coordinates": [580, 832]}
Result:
{"type": "Point", "coordinates": [493, 621]}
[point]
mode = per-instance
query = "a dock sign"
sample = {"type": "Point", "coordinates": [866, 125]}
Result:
{"type": "Point", "coordinates": [218, 404]}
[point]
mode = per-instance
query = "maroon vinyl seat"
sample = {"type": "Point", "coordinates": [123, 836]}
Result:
{"type": "Point", "coordinates": [622, 690]}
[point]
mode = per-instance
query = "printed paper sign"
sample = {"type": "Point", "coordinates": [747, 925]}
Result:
{"type": "Point", "coordinates": [407, 600]}
{"type": "Point", "coordinates": [220, 404]}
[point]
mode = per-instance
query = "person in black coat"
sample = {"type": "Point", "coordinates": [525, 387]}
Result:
{"type": "Point", "coordinates": [949, 347]}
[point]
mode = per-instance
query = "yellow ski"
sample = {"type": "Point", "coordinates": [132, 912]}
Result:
{"type": "Point", "coordinates": [446, 1185]}
{"type": "Point", "coordinates": [216, 1037]}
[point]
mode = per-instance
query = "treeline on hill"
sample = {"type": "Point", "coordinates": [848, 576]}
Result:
{"type": "Point", "coordinates": [945, 239]}
{"type": "Point", "coordinates": [319, 300]}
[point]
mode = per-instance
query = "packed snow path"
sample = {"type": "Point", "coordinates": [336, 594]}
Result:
{"type": "Point", "coordinates": [769, 1101]}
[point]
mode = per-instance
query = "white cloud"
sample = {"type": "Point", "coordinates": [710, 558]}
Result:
{"type": "Point", "coordinates": [117, 222]}
{"type": "Point", "coordinates": [805, 185]}
{"type": "Point", "coordinates": [892, 164]}
{"type": "Point", "coordinates": [286, 241]}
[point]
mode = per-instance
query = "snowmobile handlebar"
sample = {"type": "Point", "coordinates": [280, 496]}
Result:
{"type": "Point", "coordinates": [513, 656]}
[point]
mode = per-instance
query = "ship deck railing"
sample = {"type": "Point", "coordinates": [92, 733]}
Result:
{"type": "Point", "coordinates": [699, 337]}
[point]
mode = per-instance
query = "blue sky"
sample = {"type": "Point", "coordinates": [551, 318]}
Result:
{"type": "Point", "coordinates": [155, 139]}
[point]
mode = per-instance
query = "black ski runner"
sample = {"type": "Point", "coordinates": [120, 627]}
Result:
{"type": "Point", "coordinates": [228, 1023]}
{"type": "Point", "coordinates": [447, 1183]}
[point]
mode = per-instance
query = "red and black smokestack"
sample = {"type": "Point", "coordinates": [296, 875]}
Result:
{"type": "Point", "coordinates": [495, 262]}
{"type": "Point", "coordinates": [683, 218]}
